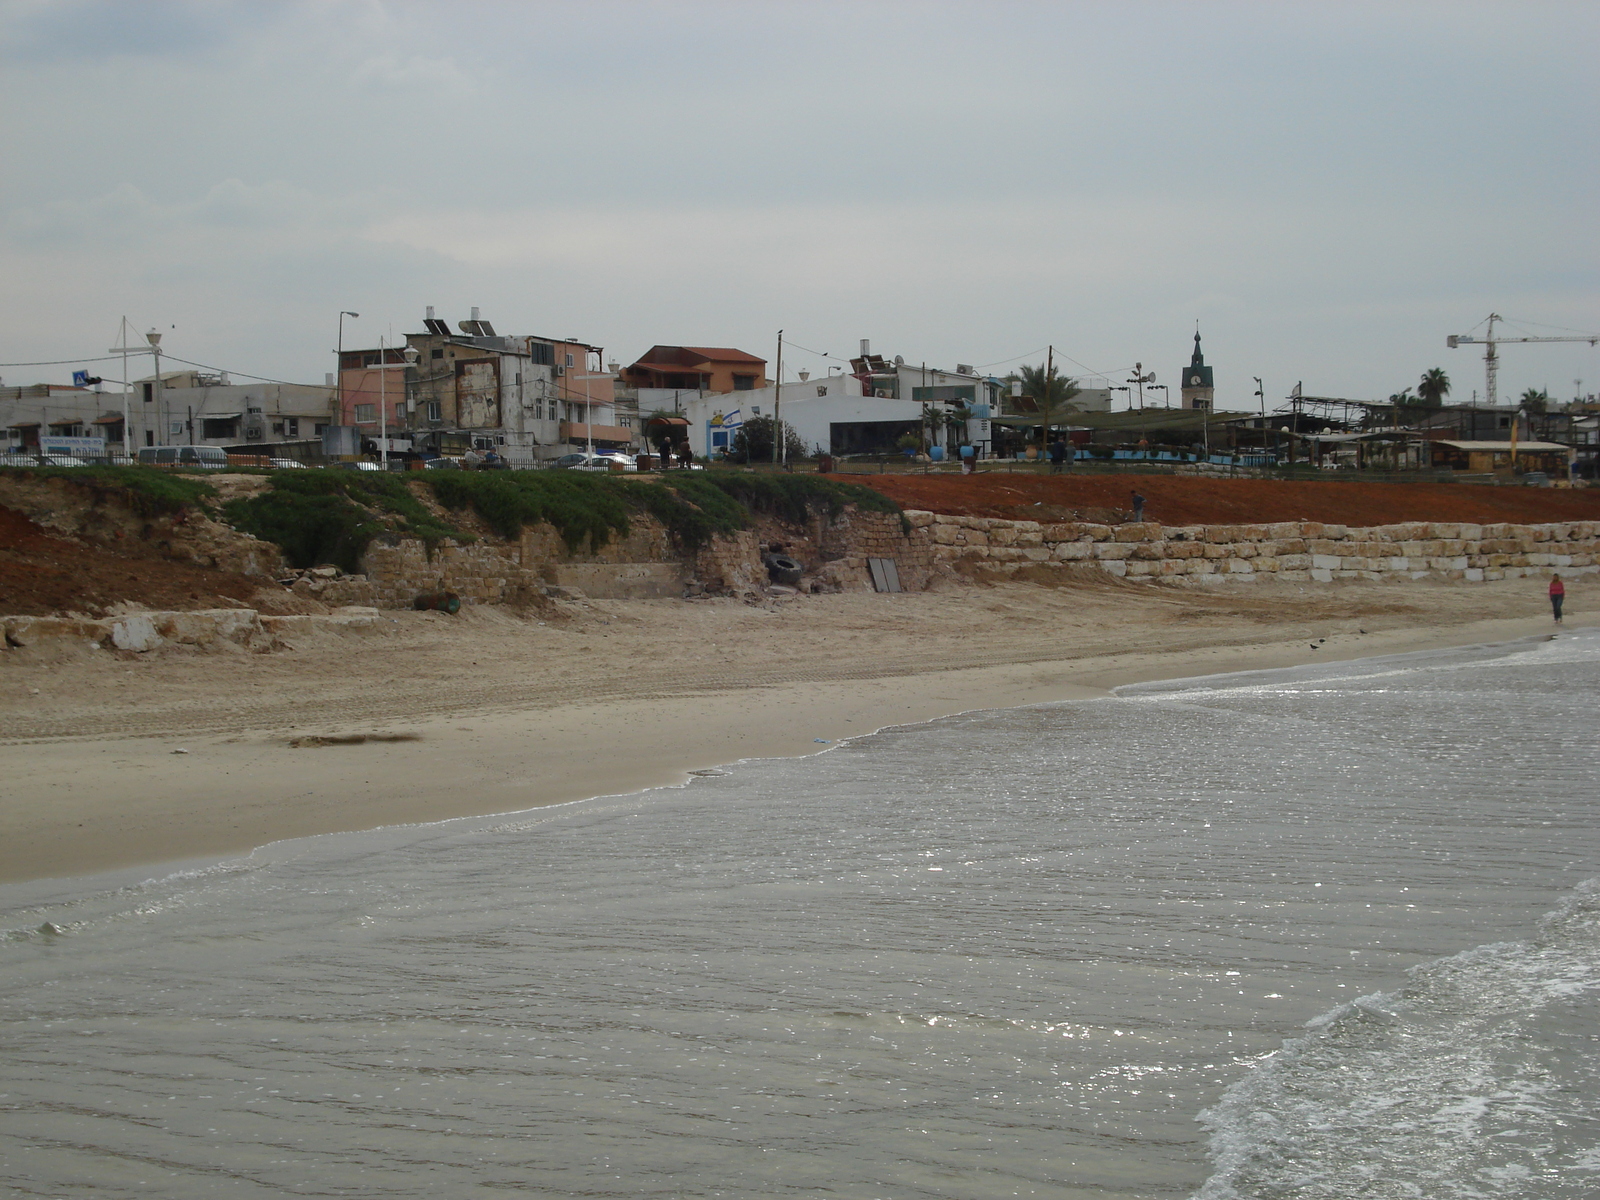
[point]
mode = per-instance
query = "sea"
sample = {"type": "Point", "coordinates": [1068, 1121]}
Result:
{"type": "Point", "coordinates": [1328, 932]}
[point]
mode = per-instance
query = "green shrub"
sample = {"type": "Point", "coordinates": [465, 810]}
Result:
{"type": "Point", "coordinates": [318, 517]}
{"type": "Point", "coordinates": [148, 492]}
{"type": "Point", "coordinates": [582, 507]}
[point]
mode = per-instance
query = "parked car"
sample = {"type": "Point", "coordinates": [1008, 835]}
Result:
{"type": "Point", "coordinates": [354, 466]}
{"type": "Point", "coordinates": [19, 459]}
{"type": "Point", "coordinates": [598, 461]}
{"type": "Point", "coordinates": [207, 458]}
{"type": "Point", "coordinates": [441, 464]}
{"type": "Point", "coordinates": [286, 464]}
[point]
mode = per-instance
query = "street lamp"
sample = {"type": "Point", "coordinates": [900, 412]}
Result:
{"type": "Point", "coordinates": [154, 339]}
{"type": "Point", "coordinates": [1166, 401]}
{"type": "Point", "coordinates": [338, 364]}
{"type": "Point", "coordinates": [1261, 394]}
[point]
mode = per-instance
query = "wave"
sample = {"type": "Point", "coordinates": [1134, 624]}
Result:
{"type": "Point", "coordinates": [1476, 1079]}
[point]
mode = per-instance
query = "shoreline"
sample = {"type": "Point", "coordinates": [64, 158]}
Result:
{"type": "Point", "coordinates": [94, 805]}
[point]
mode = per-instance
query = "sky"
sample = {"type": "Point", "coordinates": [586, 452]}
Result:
{"type": "Point", "coordinates": [1326, 190]}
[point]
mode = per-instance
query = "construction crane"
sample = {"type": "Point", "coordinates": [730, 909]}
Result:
{"type": "Point", "coordinates": [1491, 360]}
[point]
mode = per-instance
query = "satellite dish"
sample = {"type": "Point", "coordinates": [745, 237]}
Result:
{"type": "Point", "coordinates": [1150, 378]}
{"type": "Point", "coordinates": [899, 360]}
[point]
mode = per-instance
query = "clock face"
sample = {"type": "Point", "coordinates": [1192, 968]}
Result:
{"type": "Point", "coordinates": [1194, 380]}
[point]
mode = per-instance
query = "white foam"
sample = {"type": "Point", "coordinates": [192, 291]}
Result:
{"type": "Point", "coordinates": [1443, 1088]}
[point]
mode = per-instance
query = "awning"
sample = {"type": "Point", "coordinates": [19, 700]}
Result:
{"type": "Point", "coordinates": [106, 421]}
{"type": "Point", "coordinates": [684, 421]}
{"type": "Point", "coordinates": [24, 425]}
{"type": "Point", "coordinates": [205, 416]}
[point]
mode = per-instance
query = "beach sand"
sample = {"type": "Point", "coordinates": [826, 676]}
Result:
{"type": "Point", "coordinates": [432, 717]}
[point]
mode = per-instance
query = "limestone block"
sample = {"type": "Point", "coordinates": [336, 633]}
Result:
{"type": "Point", "coordinates": [1540, 560]}
{"type": "Point", "coordinates": [1322, 574]}
{"type": "Point", "coordinates": [1294, 562]}
{"type": "Point", "coordinates": [1143, 531]}
{"type": "Point", "coordinates": [1266, 564]}
{"type": "Point", "coordinates": [241, 626]}
{"type": "Point", "coordinates": [1444, 532]}
{"type": "Point", "coordinates": [1336, 533]}
{"type": "Point", "coordinates": [1139, 568]}
{"type": "Point", "coordinates": [1006, 554]}
{"type": "Point", "coordinates": [1356, 562]}
{"type": "Point", "coordinates": [1254, 533]}
{"type": "Point", "coordinates": [1474, 575]}
{"type": "Point", "coordinates": [1114, 565]}
{"type": "Point", "coordinates": [1295, 576]}
{"type": "Point", "coordinates": [1148, 551]}
{"type": "Point", "coordinates": [1293, 545]}
{"type": "Point", "coordinates": [1096, 533]}
{"type": "Point", "coordinates": [1214, 550]}
{"type": "Point", "coordinates": [1202, 566]}
{"type": "Point", "coordinates": [1184, 549]}
{"type": "Point", "coordinates": [35, 631]}
{"type": "Point", "coordinates": [1036, 554]}
{"type": "Point", "coordinates": [1325, 546]}
{"type": "Point", "coordinates": [1242, 550]}
{"type": "Point", "coordinates": [919, 518]}
{"type": "Point", "coordinates": [1395, 563]}
{"type": "Point", "coordinates": [1471, 532]}
{"type": "Point", "coordinates": [1174, 566]}
{"type": "Point", "coordinates": [1240, 566]}
{"type": "Point", "coordinates": [1313, 529]}
{"type": "Point", "coordinates": [1221, 534]}
{"type": "Point", "coordinates": [136, 632]}
{"type": "Point", "coordinates": [1325, 562]}
{"type": "Point", "coordinates": [944, 535]}
{"type": "Point", "coordinates": [1112, 551]}
{"type": "Point", "coordinates": [1490, 573]}
{"type": "Point", "coordinates": [1282, 531]}
{"type": "Point", "coordinates": [1072, 551]}
{"type": "Point", "coordinates": [1029, 537]}
{"type": "Point", "coordinates": [1003, 536]}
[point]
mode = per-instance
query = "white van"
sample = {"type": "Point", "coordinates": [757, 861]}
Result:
{"type": "Point", "coordinates": [207, 458]}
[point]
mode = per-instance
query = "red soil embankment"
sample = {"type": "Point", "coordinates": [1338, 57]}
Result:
{"type": "Point", "coordinates": [1191, 500]}
{"type": "Point", "coordinates": [42, 574]}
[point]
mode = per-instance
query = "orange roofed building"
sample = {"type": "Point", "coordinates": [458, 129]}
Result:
{"type": "Point", "coordinates": [700, 369]}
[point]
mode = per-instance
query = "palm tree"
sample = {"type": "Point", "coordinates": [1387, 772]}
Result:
{"type": "Point", "coordinates": [1535, 400]}
{"type": "Point", "coordinates": [1435, 386]}
{"type": "Point", "coordinates": [1054, 391]}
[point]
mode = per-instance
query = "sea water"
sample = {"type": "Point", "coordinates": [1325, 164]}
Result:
{"type": "Point", "coordinates": [1311, 933]}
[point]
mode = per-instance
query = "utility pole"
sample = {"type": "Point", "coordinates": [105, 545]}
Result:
{"type": "Point", "coordinates": [777, 402]}
{"type": "Point", "coordinates": [1049, 385]}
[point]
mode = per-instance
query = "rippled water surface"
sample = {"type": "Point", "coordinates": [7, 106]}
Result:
{"type": "Point", "coordinates": [1318, 933]}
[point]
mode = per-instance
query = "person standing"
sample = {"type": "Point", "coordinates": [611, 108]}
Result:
{"type": "Point", "coordinates": [1138, 508]}
{"type": "Point", "coordinates": [1058, 456]}
{"type": "Point", "coordinates": [1558, 593]}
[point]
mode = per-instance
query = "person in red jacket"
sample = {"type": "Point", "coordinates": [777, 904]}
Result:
{"type": "Point", "coordinates": [1558, 593]}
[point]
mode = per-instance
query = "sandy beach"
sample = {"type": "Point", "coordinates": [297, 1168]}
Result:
{"type": "Point", "coordinates": [120, 763]}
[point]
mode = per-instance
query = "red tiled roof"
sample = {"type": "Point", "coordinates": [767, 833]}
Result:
{"type": "Point", "coordinates": [723, 354]}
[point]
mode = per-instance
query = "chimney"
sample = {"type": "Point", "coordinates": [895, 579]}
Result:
{"type": "Point", "coordinates": [475, 312]}
{"type": "Point", "coordinates": [430, 312]}
{"type": "Point", "coordinates": [866, 347]}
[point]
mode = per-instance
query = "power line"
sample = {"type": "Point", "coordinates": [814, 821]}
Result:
{"type": "Point", "coordinates": [68, 362]}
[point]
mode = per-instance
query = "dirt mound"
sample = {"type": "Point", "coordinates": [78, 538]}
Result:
{"type": "Point", "coordinates": [1189, 500]}
{"type": "Point", "coordinates": [42, 574]}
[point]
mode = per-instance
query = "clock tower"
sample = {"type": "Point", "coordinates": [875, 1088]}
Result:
{"type": "Point", "coordinates": [1197, 390]}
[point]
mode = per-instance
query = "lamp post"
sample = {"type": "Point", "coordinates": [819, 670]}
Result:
{"type": "Point", "coordinates": [338, 363]}
{"type": "Point", "coordinates": [154, 339]}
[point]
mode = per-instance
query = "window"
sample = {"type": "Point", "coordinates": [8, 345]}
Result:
{"type": "Point", "coordinates": [435, 410]}
{"type": "Point", "coordinates": [292, 426]}
{"type": "Point", "coordinates": [744, 383]}
{"type": "Point", "coordinates": [219, 427]}
{"type": "Point", "coordinates": [366, 414]}
{"type": "Point", "coordinates": [149, 392]}
{"type": "Point", "coordinates": [438, 352]}
{"type": "Point", "coordinates": [277, 428]}
{"type": "Point", "coordinates": [569, 362]}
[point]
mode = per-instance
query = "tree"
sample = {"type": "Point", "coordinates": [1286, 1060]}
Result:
{"type": "Point", "coordinates": [1535, 401]}
{"type": "Point", "coordinates": [753, 442]}
{"type": "Point", "coordinates": [1053, 391]}
{"type": "Point", "coordinates": [1435, 386]}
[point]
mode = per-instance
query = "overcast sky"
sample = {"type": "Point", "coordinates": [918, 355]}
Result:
{"type": "Point", "coordinates": [1329, 188]}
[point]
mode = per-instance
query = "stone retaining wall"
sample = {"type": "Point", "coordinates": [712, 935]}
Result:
{"type": "Point", "coordinates": [1296, 550]}
{"type": "Point", "coordinates": [202, 629]}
